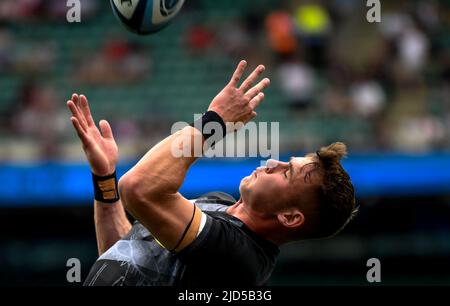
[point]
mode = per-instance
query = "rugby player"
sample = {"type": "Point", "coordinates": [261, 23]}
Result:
{"type": "Point", "coordinates": [214, 239]}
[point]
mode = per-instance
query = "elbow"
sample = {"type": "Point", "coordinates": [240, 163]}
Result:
{"type": "Point", "coordinates": [135, 190]}
{"type": "Point", "coordinates": [130, 190]}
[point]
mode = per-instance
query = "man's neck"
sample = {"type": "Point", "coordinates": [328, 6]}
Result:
{"type": "Point", "coordinates": [256, 222]}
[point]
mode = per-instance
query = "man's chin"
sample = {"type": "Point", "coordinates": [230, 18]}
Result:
{"type": "Point", "coordinates": [246, 180]}
{"type": "Point", "coordinates": [244, 183]}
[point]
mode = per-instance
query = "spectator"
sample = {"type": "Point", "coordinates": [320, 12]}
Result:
{"type": "Point", "coordinates": [413, 48]}
{"type": "Point", "coordinates": [313, 24]}
{"type": "Point", "coordinates": [297, 81]}
{"type": "Point", "coordinates": [281, 33]}
{"type": "Point", "coordinates": [368, 98]}
{"type": "Point", "coordinates": [199, 39]}
{"type": "Point", "coordinates": [234, 39]}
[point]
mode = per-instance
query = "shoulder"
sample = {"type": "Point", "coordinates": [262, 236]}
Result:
{"type": "Point", "coordinates": [225, 237]}
{"type": "Point", "coordinates": [225, 247]}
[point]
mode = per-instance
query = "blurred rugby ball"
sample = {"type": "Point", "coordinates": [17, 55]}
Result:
{"type": "Point", "coordinates": [145, 16]}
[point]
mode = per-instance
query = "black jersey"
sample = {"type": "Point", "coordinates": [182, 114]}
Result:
{"type": "Point", "coordinates": [226, 253]}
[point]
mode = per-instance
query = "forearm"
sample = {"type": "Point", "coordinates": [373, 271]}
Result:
{"type": "Point", "coordinates": [111, 224]}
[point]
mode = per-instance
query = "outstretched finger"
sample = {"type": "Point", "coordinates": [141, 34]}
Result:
{"type": "Point", "coordinates": [77, 114]}
{"type": "Point", "coordinates": [106, 130]}
{"type": "Point", "coordinates": [255, 90]}
{"type": "Point", "coordinates": [251, 116]}
{"type": "Point", "coordinates": [254, 103]}
{"type": "Point", "coordinates": [75, 98]}
{"type": "Point", "coordinates": [252, 78]}
{"type": "Point", "coordinates": [238, 73]}
{"type": "Point", "coordinates": [81, 133]}
{"type": "Point", "coordinates": [86, 111]}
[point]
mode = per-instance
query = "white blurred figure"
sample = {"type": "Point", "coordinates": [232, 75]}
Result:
{"type": "Point", "coordinates": [413, 48]}
{"type": "Point", "coordinates": [394, 24]}
{"type": "Point", "coordinates": [297, 81]}
{"type": "Point", "coordinates": [412, 44]}
{"type": "Point", "coordinates": [368, 98]}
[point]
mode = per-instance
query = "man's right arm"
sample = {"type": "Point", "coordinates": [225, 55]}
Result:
{"type": "Point", "coordinates": [111, 222]}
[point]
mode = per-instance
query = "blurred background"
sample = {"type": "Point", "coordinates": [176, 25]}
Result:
{"type": "Point", "coordinates": [382, 88]}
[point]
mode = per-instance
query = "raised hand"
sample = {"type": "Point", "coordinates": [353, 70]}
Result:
{"type": "Point", "coordinates": [100, 148]}
{"type": "Point", "coordinates": [238, 104]}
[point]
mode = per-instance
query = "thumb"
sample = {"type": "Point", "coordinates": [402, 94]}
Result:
{"type": "Point", "coordinates": [105, 128]}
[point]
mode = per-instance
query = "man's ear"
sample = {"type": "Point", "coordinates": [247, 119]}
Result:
{"type": "Point", "coordinates": [291, 218]}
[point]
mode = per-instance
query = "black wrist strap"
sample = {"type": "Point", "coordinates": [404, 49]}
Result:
{"type": "Point", "coordinates": [210, 116]}
{"type": "Point", "coordinates": [105, 188]}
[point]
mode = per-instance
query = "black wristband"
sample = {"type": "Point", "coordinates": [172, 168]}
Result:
{"type": "Point", "coordinates": [210, 116]}
{"type": "Point", "coordinates": [105, 188]}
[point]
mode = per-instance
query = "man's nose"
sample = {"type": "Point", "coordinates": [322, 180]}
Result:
{"type": "Point", "coordinates": [272, 163]}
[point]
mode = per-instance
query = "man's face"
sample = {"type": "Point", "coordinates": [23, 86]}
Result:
{"type": "Point", "coordinates": [270, 189]}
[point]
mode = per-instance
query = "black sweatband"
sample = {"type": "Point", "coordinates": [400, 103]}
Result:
{"type": "Point", "coordinates": [209, 116]}
{"type": "Point", "coordinates": [105, 188]}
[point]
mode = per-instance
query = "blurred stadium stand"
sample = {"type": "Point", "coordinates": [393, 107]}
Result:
{"type": "Point", "coordinates": [381, 88]}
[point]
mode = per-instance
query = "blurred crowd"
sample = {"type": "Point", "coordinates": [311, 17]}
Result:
{"type": "Point", "coordinates": [35, 11]}
{"type": "Point", "coordinates": [325, 58]}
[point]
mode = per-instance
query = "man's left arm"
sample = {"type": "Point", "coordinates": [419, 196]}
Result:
{"type": "Point", "coordinates": [149, 191]}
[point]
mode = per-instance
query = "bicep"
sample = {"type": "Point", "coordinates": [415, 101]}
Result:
{"type": "Point", "coordinates": [172, 219]}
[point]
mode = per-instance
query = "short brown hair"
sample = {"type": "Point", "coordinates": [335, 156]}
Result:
{"type": "Point", "coordinates": [336, 194]}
